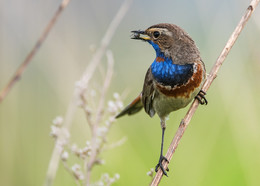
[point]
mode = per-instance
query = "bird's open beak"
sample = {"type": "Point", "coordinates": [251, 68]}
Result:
{"type": "Point", "coordinates": [140, 35]}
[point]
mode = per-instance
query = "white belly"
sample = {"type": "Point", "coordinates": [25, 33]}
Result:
{"type": "Point", "coordinates": [164, 105]}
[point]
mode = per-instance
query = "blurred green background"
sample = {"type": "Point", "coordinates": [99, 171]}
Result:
{"type": "Point", "coordinates": [222, 143]}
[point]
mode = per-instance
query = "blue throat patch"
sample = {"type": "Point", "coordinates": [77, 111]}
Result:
{"type": "Point", "coordinates": [167, 73]}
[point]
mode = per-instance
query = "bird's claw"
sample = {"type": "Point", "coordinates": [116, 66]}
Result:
{"type": "Point", "coordinates": [201, 97]}
{"type": "Point", "coordinates": [161, 165]}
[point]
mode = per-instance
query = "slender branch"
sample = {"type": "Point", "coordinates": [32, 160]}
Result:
{"type": "Point", "coordinates": [93, 124]}
{"type": "Point", "coordinates": [79, 90]}
{"type": "Point", "coordinates": [66, 166]}
{"type": "Point", "coordinates": [100, 109]}
{"type": "Point", "coordinates": [88, 112]}
{"type": "Point", "coordinates": [110, 60]}
{"type": "Point", "coordinates": [17, 75]}
{"type": "Point", "coordinates": [184, 123]}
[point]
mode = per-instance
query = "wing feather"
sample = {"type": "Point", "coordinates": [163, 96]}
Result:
{"type": "Point", "coordinates": [148, 93]}
{"type": "Point", "coordinates": [134, 107]}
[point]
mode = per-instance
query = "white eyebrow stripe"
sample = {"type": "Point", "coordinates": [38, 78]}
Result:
{"type": "Point", "coordinates": [162, 30]}
{"type": "Point", "coordinates": [166, 32]}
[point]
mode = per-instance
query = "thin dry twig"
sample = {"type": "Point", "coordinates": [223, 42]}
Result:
{"type": "Point", "coordinates": [99, 114]}
{"type": "Point", "coordinates": [102, 118]}
{"type": "Point", "coordinates": [184, 123]}
{"type": "Point", "coordinates": [79, 90]}
{"type": "Point", "coordinates": [17, 75]}
{"type": "Point", "coordinates": [66, 166]}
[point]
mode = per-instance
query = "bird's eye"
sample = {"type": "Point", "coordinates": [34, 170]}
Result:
{"type": "Point", "coordinates": [156, 34]}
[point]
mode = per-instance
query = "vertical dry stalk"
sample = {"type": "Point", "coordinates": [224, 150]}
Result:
{"type": "Point", "coordinates": [17, 75]}
{"type": "Point", "coordinates": [100, 118]}
{"type": "Point", "coordinates": [184, 123]}
{"type": "Point", "coordinates": [99, 114]}
{"type": "Point", "coordinates": [79, 91]}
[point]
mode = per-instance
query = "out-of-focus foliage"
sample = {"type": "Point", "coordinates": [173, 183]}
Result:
{"type": "Point", "coordinates": [221, 145]}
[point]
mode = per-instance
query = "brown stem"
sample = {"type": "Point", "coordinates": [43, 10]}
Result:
{"type": "Point", "coordinates": [17, 75]}
{"type": "Point", "coordinates": [213, 73]}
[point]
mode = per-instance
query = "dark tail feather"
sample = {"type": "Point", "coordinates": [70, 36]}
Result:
{"type": "Point", "coordinates": [134, 107]}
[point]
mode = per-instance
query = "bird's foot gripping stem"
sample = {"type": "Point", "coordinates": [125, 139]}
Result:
{"type": "Point", "coordinates": [201, 97]}
{"type": "Point", "coordinates": [161, 165]}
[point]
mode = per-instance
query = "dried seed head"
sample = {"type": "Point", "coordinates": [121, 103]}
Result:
{"type": "Point", "coordinates": [64, 156]}
{"type": "Point", "coordinates": [58, 121]}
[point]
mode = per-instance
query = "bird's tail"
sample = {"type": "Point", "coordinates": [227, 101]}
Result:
{"type": "Point", "coordinates": [134, 107]}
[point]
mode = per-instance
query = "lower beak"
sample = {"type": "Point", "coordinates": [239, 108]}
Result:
{"type": "Point", "coordinates": [140, 35]}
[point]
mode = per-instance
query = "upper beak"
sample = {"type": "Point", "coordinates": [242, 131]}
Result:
{"type": "Point", "coordinates": [139, 34]}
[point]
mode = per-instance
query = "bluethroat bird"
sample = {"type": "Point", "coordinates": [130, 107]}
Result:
{"type": "Point", "coordinates": [174, 78]}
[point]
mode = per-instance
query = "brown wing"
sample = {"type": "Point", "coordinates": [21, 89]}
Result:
{"type": "Point", "coordinates": [134, 107]}
{"type": "Point", "coordinates": [148, 94]}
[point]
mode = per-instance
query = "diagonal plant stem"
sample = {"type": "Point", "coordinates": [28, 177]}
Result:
{"type": "Point", "coordinates": [79, 91]}
{"type": "Point", "coordinates": [213, 73]}
{"type": "Point", "coordinates": [17, 75]}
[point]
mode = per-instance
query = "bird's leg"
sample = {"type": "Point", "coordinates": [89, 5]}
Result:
{"type": "Point", "coordinates": [201, 97]}
{"type": "Point", "coordinates": [161, 154]}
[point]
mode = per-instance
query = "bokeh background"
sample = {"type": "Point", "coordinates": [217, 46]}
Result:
{"type": "Point", "coordinates": [222, 143]}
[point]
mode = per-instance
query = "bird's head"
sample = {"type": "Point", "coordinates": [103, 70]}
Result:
{"type": "Point", "coordinates": [169, 40]}
{"type": "Point", "coordinates": [159, 36]}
